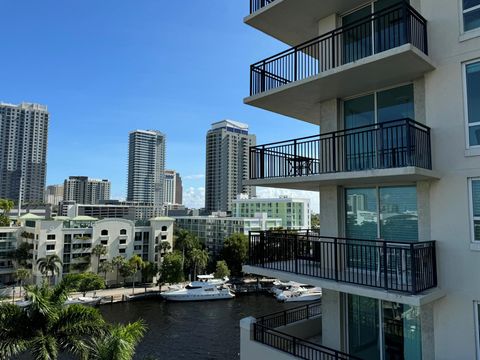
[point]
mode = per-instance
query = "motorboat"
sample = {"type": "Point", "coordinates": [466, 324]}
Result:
{"type": "Point", "coordinates": [279, 287]}
{"type": "Point", "coordinates": [84, 300]}
{"type": "Point", "coordinates": [300, 294]}
{"type": "Point", "coordinates": [199, 293]}
{"type": "Point", "coordinates": [208, 280]}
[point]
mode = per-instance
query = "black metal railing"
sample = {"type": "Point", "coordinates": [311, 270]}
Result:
{"type": "Point", "coordinates": [392, 144]}
{"type": "Point", "coordinates": [290, 316]}
{"type": "Point", "coordinates": [407, 267]}
{"type": "Point", "coordinates": [264, 331]}
{"type": "Point", "coordinates": [384, 30]}
{"type": "Point", "coordinates": [256, 5]}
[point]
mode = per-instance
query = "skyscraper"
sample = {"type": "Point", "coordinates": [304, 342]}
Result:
{"type": "Point", "coordinates": [54, 194]}
{"type": "Point", "coordinates": [146, 167]}
{"type": "Point", "coordinates": [173, 187]}
{"type": "Point", "coordinates": [23, 151]}
{"type": "Point", "coordinates": [83, 190]}
{"type": "Point", "coordinates": [227, 165]}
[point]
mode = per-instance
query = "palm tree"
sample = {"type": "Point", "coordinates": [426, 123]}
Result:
{"type": "Point", "coordinates": [50, 265]}
{"type": "Point", "coordinates": [199, 259]}
{"type": "Point", "coordinates": [164, 247]}
{"type": "Point", "coordinates": [5, 206]}
{"type": "Point", "coordinates": [136, 263]}
{"type": "Point", "coordinates": [105, 267]}
{"type": "Point", "coordinates": [46, 327]}
{"type": "Point", "coordinates": [118, 262]}
{"type": "Point", "coordinates": [21, 275]}
{"type": "Point", "coordinates": [99, 250]}
{"type": "Point", "coordinates": [119, 343]}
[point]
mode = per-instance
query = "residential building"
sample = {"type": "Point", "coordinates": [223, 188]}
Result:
{"type": "Point", "coordinates": [391, 90]}
{"type": "Point", "coordinates": [73, 239]}
{"type": "Point", "coordinates": [53, 195]}
{"type": "Point", "coordinates": [23, 149]}
{"type": "Point", "coordinates": [227, 166]}
{"type": "Point", "coordinates": [146, 167]}
{"type": "Point", "coordinates": [294, 212]}
{"type": "Point", "coordinates": [84, 190]}
{"type": "Point", "coordinates": [173, 188]}
{"type": "Point", "coordinates": [8, 243]}
{"type": "Point", "coordinates": [213, 229]}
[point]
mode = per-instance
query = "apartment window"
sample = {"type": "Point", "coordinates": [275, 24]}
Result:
{"type": "Point", "coordinates": [123, 241]}
{"type": "Point", "coordinates": [50, 247]}
{"type": "Point", "coordinates": [123, 232]}
{"type": "Point", "coordinates": [121, 251]}
{"type": "Point", "coordinates": [475, 208]}
{"type": "Point", "coordinates": [104, 233]}
{"type": "Point", "coordinates": [471, 14]}
{"type": "Point", "coordinates": [137, 247]}
{"type": "Point", "coordinates": [472, 93]}
{"type": "Point", "coordinates": [164, 228]}
{"type": "Point", "coordinates": [138, 236]}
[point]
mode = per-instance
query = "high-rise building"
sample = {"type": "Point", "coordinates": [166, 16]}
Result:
{"type": "Point", "coordinates": [392, 92]}
{"type": "Point", "coordinates": [23, 151]}
{"type": "Point", "coordinates": [227, 165]}
{"type": "Point", "coordinates": [146, 167]}
{"type": "Point", "coordinates": [53, 194]}
{"type": "Point", "coordinates": [83, 190]}
{"type": "Point", "coordinates": [173, 187]}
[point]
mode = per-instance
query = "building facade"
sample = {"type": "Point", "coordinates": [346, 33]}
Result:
{"type": "Point", "coordinates": [173, 188]}
{"type": "Point", "coordinates": [53, 194]}
{"type": "Point", "coordinates": [212, 230]}
{"type": "Point", "coordinates": [83, 190]}
{"type": "Point", "coordinates": [73, 239]}
{"type": "Point", "coordinates": [391, 90]}
{"type": "Point", "coordinates": [227, 164]}
{"type": "Point", "coordinates": [23, 149]}
{"type": "Point", "coordinates": [295, 213]}
{"type": "Point", "coordinates": [146, 167]}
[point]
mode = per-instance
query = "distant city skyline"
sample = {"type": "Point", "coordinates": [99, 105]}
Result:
{"type": "Point", "coordinates": [100, 83]}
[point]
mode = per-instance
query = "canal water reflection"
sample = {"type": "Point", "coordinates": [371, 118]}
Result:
{"type": "Point", "coordinates": [192, 330]}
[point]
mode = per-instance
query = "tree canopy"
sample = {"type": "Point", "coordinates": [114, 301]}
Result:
{"type": "Point", "coordinates": [235, 252]}
{"type": "Point", "coordinates": [222, 270]}
{"type": "Point", "coordinates": [172, 268]}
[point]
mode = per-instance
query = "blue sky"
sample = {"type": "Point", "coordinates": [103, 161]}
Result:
{"type": "Point", "coordinates": [107, 67]}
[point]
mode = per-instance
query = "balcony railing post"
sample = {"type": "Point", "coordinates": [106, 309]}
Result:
{"type": "Point", "coordinates": [434, 264]}
{"type": "Point", "coordinates": [262, 77]}
{"type": "Point", "coordinates": [295, 163]}
{"type": "Point", "coordinates": [295, 251]}
{"type": "Point", "coordinates": [413, 271]}
{"type": "Point", "coordinates": [333, 52]}
{"type": "Point", "coordinates": [262, 162]}
{"type": "Point", "coordinates": [335, 258]}
{"type": "Point", "coordinates": [295, 64]}
{"type": "Point", "coordinates": [294, 345]}
{"type": "Point", "coordinates": [385, 265]}
{"type": "Point", "coordinates": [334, 153]}
{"type": "Point", "coordinates": [380, 150]}
{"type": "Point", "coordinates": [406, 17]}
{"type": "Point", "coordinates": [262, 248]}
{"type": "Point", "coordinates": [409, 154]}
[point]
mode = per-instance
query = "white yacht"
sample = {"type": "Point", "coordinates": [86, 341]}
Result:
{"type": "Point", "coordinates": [199, 293]}
{"type": "Point", "coordinates": [300, 294]}
{"type": "Point", "coordinates": [84, 300]}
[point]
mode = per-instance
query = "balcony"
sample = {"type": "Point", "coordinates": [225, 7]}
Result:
{"type": "Point", "coordinates": [290, 23]}
{"type": "Point", "coordinates": [398, 150]}
{"type": "Point", "coordinates": [381, 50]}
{"type": "Point", "coordinates": [296, 332]}
{"type": "Point", "coordinates": [401, 267]}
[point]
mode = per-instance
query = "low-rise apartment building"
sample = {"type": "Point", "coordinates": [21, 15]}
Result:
{"type": "Point", "coordinates": [294, 212]}
{"type": "Point", "coordinates": [73, 239]}
{"type": "Point", "coordinates": [214, 229]}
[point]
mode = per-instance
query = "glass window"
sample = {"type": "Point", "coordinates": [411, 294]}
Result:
{"type": "Point", "coordinates": [394, 104]}
{"type": "Point", "coordinates": [475, 193]}
{"type": "Point", "coordinates": [362, 214]}
{"type": "Point", "coordinates": [471, 14]}
{"type": "Point", "coordinates": [51, 237]}
{"type": "Point", "coordinates": [363, 327]}
{"type": "Point", "coordinates": [104, 232]}
{"type": "Point", "coordinates": [123, 232]}
{"type": "Point", "coordinates": [473, 102]}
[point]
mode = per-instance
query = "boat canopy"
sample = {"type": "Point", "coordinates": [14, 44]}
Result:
{"type": "Point", "coordinates": [205, 277]}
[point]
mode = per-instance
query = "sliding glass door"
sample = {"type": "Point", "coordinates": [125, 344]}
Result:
{"type": "Point", "coordinates": [383, 330]}
{"type": "Point", "coordinates": [380, 143]}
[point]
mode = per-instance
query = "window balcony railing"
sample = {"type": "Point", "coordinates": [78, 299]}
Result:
{"type": "Point", "coordinates": [393, 144]}
{"type": "Point", "coordinates": [407, 267]}
{"type": "Point", "coordinates": [256, 5]}
{"type": "Point", "coordinates": [264, 331]}
{"type": "Point", "coordinates": [384, 30]}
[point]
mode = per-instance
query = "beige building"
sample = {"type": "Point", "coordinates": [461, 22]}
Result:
{"type": "Point", "coordinates": [391, 90]}
{"type": "Point", "coordinates": [73, 239]}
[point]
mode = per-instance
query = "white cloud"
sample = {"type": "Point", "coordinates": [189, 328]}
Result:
{"type": "Point", "coordinates": [194, 177]}
{"type": "Point", "coordinates": [194, 197]}
{"type": "Point", "coordinates": [264, 192]}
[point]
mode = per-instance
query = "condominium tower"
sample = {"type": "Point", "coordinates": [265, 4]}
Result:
{"type": "Point", "coordinates": [392, 90]}
{"type": "Point", "coordinates": [227, 164]}
{"type": "Point", "coordinates": [173, 188]}
{"type": "Point", "coordinates": [146, 167]}
{"type": "Point", "coordinates": [83, 190]}
{"type": "Point", "coordinates": [23, 151]}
